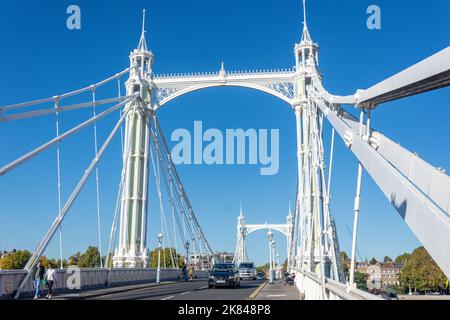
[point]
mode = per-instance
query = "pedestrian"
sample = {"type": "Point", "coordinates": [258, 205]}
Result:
{"type": "Point", "coordinates": [184, 271]}
{"type": "Point", "coordinates": [191, 272]}
{"type": "Point", "coordinates": [51, 279]}
{"type": "Point", "coordinates": [38, 273]}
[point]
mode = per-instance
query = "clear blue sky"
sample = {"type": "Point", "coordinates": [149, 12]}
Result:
{"type": "Point", "coordinates": [40, 57]}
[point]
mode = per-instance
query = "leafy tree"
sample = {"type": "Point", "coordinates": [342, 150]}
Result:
{"type": "Point", "coordinates": [387, 259]}
{"type": "Point", "coordinates": [345, 263]}
{"type": "Point", "coordinates": [15, 260]}
{"type": "Point", "coordinates": [402, 259]}
{"type": "Point", "coordinates": [373, 261]}
{"type": "Point", "coordinates": [421, 273]}
{"type": "Point", "coordinates": [361, 280]}
{"type": "Point", "coordinates": [90, 258]}
{"type": "Point", "coordinates": [75, 259]}
{"type": "Point", "coordinates": [165, 257]}
{"type": "Point", "coordinates": [262, 268]}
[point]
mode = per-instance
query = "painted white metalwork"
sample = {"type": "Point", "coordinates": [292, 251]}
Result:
{"type": "Point", "coordinates": [243, 230]}
{"type": "Point", "coordinates": [419, 192]}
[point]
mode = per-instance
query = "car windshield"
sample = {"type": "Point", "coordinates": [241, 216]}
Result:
{"type": "Point", "coordinates": [246, 265]}
{"type": "Point", "coordinates": [223, 267]}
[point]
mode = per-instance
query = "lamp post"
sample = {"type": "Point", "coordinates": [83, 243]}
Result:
{"type": "Point", "coordinates": [158, 277]}
{"type": "Point", "coordinates": [270, 237]}
{"type": "Point", "coordinates": [273, 259]}
{"type": "Point", "coordinates": [186, 247]}
{"type": "Point", "coordinates": [278, 266]}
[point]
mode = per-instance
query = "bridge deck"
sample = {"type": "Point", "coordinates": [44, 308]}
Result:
{"type": "Point", "coordinates": [278, 291]}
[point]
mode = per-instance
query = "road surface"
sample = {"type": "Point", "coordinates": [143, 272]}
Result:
{"type": "Point", "coordinates": [192, 290]}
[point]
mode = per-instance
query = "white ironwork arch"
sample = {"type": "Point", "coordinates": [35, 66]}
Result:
{"type": "Point", "coordinates": [278, 83]}
{"type": "Point", "coordinates": [282, 228]}
{"type": "Point", "coordinates": [219, 84]}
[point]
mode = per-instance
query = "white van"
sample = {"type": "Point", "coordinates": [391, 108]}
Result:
{"type": "Point", "coordinates": [247, 270]}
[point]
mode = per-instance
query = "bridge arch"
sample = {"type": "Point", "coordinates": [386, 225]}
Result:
{"type": "Point", "coordinates": [183, 91]}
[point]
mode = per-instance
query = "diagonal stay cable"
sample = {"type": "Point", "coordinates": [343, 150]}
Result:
{"type": "Point", "coordinates": [19, 161]}
{"type": "Point", "coordinates": [50, 233]}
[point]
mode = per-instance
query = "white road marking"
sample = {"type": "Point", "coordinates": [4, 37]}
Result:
{"type": "Point", "coordinates": [203, 287]}
{"type": "Point", "coordinates": [166, 298]}
{"type": "Point", "coordinates": [185, 292]}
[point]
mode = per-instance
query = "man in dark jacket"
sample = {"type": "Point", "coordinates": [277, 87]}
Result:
{"type": "Point", "coordinates": [38, 276]}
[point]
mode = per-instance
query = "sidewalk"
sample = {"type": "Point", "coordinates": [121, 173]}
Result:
{"type": "Point", "coordinates": [90, 293]}
{"type": "Point", "coordinates": [278, 291]}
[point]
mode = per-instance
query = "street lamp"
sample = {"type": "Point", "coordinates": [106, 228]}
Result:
{"type": "Point", "coordinates": [160, 239]}
{"type": "Point", "coordinates": [278, 266]}
{"type": "Point", "coordinates": [186, 246]}
{"type": "Point", "coordinates": [273, 259]}
{"type": "Point", "coordinates": [270, 237]}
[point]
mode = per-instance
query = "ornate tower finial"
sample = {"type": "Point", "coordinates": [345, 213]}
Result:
{"type": "Point", "coordinates": [240, 211]}
{"type": "Point", "coordinates": [304, 13]}
{"type": "Point", "coordinates": [306, 38]}
{"type": "Point", "coordinates": [142, 46]}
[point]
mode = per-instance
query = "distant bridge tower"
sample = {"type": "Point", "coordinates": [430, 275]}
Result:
{"type": "Point", "coordinates": [132, 248]}
{"type": "Point", "coordinates": [241, 250]}
{"type": "Point", "coordinates": [243, 230]}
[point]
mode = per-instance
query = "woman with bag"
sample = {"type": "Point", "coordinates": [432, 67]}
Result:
{"type": "Point", "coordinates": [50, 278]}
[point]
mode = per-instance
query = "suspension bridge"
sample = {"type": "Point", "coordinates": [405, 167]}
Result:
{"type": "Point", "coordinates": [417, 190]}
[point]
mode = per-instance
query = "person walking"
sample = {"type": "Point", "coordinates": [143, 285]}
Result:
{"type": "Point", "coordinates": [191, 272]}
{"type": "Point", "coordinates": [38, 272]}
{"type": "Point", "coordinates": [185, 274]}
{"type": "Point", "coordinates": [51, 279]}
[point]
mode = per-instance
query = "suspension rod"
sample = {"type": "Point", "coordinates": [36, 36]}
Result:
{"type": "Point", "coordinates": [19, 161]}
{"type": "Point", "coordinates": [37, 113]}
{"type": "Point", "coordinates": [65, 95]}
{"type": "Point", "coordinates": [50, 233]}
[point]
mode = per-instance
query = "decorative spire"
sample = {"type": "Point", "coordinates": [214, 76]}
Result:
{"type": "Point", "coordinates": [241, 214]}
{"type": "Point", "coordinates": [290, 211]}
{"type": "Point", "coordinates": [306, 38]}
{"type": "Point", "coordinates": [222, 73]}
{"type": "Point", "coordinates": [142, 46]}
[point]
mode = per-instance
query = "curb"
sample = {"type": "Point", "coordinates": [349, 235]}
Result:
{"type": "Point", "coordinates": [257, 291]}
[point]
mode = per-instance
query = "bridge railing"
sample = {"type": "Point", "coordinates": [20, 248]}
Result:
{"type": "Point", "coordinates": [310, 287]}
{"type": "Point", "coordinates": [89, 278]}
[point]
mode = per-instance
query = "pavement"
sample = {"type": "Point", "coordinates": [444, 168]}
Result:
{"type": "Point", "coordinates": [278, 291]}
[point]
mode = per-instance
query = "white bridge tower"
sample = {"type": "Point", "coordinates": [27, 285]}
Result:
{"type": "Point", "coordinates": [132, 248]}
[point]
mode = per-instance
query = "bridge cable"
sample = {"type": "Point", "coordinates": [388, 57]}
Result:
{"type": "Point", "coordinates": [184, 207]}
{"type": "Point", "coordinates": [21, 160]}
{"type": "Point", "coordinates": [157, 176]}
{"type": "Point", "coordinates": [357, 203]}
{"type": "Point", "coordinates": [113, 232]}
{"type": "Point", "coordinates": [73, 196]}
{"type": "Point", "coordinates": [58, 167]}
{"type": "Point", "coordinates": [186, 199]}
{"type": "Point", "coordinates": [97, 182]}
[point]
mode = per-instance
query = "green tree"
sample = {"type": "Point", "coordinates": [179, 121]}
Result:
{"type": "Point", "coordinates": [345, 260]}
{"type": "Point", "coordinates": [262, 268]}
{"type": "Point", "coordinates": [74, 259]}
{"type": "Point", "coordinates": [361, 280]}
{"type": "Point", "coordinates": [166, 259]}
{"type": "Point", "coordinates": [402, 259]}
{"type": "Point", "coordinates": [15, 260]}
{"type": "Point", "coordinates": [90, 258]}
{"type": "Point", "coordinates": [421, 273]}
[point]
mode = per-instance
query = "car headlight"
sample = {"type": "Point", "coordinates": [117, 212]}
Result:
{"type": "Point", "coordinates": [231, 277]}
{"type": "Point", "coordinates": [211, 277]}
